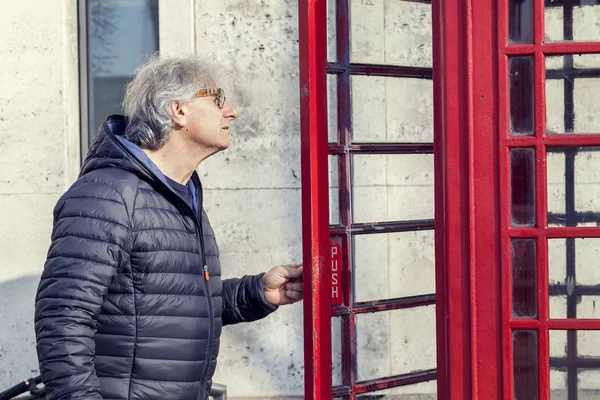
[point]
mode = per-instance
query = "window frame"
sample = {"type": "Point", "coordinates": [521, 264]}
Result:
{"type": "Point", "coordinates": [86, 87]}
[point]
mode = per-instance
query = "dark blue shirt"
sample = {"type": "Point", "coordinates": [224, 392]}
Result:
{"type": "Point", "coordinates": [190, 193]}
{"type": "Point", "coordinates": [184, 191]}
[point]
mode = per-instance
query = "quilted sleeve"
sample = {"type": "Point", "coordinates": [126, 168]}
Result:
{"type": "Point", "coordinates": [91, 240]}
{"type": "Point", "coordinates": [244, 300]}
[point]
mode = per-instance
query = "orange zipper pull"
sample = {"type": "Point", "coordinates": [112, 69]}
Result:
{"type": "Point", "coordinates": [206, 275]}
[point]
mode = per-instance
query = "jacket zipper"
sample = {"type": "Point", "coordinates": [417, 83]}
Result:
{"type": "Point", "coordinates": [208, 290]}
{"type": "Point", "coordinates": [198, 222]}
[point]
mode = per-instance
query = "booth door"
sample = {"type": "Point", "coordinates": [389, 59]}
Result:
{"type": "Point", "coordinates": [368, 190]}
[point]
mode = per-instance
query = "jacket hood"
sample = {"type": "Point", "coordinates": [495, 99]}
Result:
{"type": "Point", "coordinates": [109, 151]}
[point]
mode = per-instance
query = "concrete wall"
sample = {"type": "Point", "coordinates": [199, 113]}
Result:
{"type": "Point", "coordinates": [39, 143]}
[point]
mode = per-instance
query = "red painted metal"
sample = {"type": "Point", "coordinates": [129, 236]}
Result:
{"type": "Point", "coordinates": [485, 206]}
{"type": "Point", "coordinates": [345, 189]}
{"type": "Point", "coordinates": [473, 231]}
{"type": "Point", "coordinates": [451, 199]}
{"type": "Point", "coordinates": [382, 148]}
{"type": "Point", "coordinates": [406, 379]}
{"type": "Point", "coordinates": [315, 198]}
{"type": "Point", "coordinates": [571, 232]}
{"type": "Point", "coordinates": [383, 383]}
{"type": "Point", "coordinates": [385, 305]}
{"type": "Point", "coordinates": [504, 190]}
{"type": "Point", "coordinates": [553, 49]}
{"type": "Point", "coordinates": [571, 324]}
{"type": "Point", "coordinates": [472, 219]}
{"type": "Point", "coordinates": [572, 140]}
{"type": "Point", "coordinates": [555, 232]}
{"type": "Point", "coordinates": [541, 203]}
{"type": "Point", "coordinates": [344, 149]}
{"type": "Point", "coordinates": [471, 198]}
{"type": "Point", "coordinates": [380, 70]}
{"type": "Point", "coordinates": [541, 141]}
{"type": "Point", "coordinates": [559, 324]}
{"type": "Point", "coordinates": [382, 227]}
{"type": "Point", "coordinates": [335, 243]}
{"type": "Point", "coordinates": [554, 140]}
{"type": "Point", "coordinates": [313, 68]}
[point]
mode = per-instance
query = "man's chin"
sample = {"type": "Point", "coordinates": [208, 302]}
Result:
{"type": "Point", "coordinates": [222, 147]}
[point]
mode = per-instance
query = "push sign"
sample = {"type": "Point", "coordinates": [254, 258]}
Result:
{"type": "Point", "coordinates": [335, 270]}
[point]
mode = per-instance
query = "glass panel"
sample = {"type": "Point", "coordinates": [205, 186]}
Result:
{"type": "Point", "coordinates": [331, 31]}
{"type": "Point", "coordinates": [574, 362]}
{"type": "Point", "coordinates": [576, 20]}
{"type": "Point", "coordinates": [395, 342]}
{"type": "Point", "coordinates": [524, 268]}
{"type": "Point", "coordinates": [388, 109]}
{"type": "Point", "coordinates": [332, 109]}
{"type": "Point", "coordinates": [588, 383]}
{"type": "Point", "coordinates": [113, 61]}
{"type": "Point", "coordinates": [417, 391]}
{"type": "Point", "coordinates": [336, 351]}
{"type": "Point", "coordinates": [572, 94]}
{"type": "Point", "coordinates": [558, 384]}
{"type": "Point", "coordinates": [525, 365]}
{"type": "Point", "coordinates": [573, 186]}
{"type": "Point", "coordinates": [522, 187]}
{"type": "Point", "coordinates": [392, 187]}
{"type": "Point", "coordinates": [520, 76]}
{"type": "Point", "coordinates": [377, 27]}
{"type": "Point", "coordinates": [574, 278]}
{"type": "Point", "coordinates": [392, 265]}
{"type": "Point", "coordinates": [587, 344]}
{"type": "Point", "coordinates": [520, 21]}
{"type": "Point", "coordinates": [557, 342]}
{"type": "Point", "coordinates": [334, 198]}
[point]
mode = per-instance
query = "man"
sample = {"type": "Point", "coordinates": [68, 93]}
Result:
{"type": "Point", "coordinates": [131, 304]}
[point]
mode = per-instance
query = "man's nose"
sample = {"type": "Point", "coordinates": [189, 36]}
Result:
{"type": "Point", "coordinates": [230, 111]}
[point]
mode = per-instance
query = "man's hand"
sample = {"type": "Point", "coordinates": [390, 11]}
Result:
{"type": "Point", "coordinates": [283, 284]}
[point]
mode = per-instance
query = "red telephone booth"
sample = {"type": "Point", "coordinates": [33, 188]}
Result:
{"type": "Point", "coordinates": [516, 156]}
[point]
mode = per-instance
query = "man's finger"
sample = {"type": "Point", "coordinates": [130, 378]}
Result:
{"type": "Point", "coordinates": [293, 271]}
{"type": "Point", "coordinates": [294, 295]}
{"type": "Point", "coordinates": [297, 286]}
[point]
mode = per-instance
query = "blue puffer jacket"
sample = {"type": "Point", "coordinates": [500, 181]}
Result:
{"type": "Point", "coordinates": [124, 309]}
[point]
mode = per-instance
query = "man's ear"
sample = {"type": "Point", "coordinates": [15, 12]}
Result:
{"type": "Point", "coordinates": [178, 113]}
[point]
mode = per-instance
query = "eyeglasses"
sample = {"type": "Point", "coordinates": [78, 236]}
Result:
{"type": "Point", "coordinates": [218, 93]}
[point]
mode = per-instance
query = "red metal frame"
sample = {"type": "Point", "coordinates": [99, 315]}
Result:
{"type": "Point", "coordinates": [467, 224]}
{"type": "Point", "coordinates": [485, 272]}
{"type": "Point", "coordinates": [472, 194]}
{"type": "Point", "coordinates": [452, 199]}
{"type": "Point", "coordinates": [312, 22]}
{"type": "Point", "coordinates": [540, 141]}
{"type": "Point", "coordinates": [315, 198]}
{"type": "Point", "coordinates": [454, 195]}
{"type": "Point", "coordinates": [473, 229]}
{"type": "Point", "coordinates": [346, 148]}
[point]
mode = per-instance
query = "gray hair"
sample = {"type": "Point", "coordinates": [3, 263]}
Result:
{"type": "Point", "coordinates": [157, 83]}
